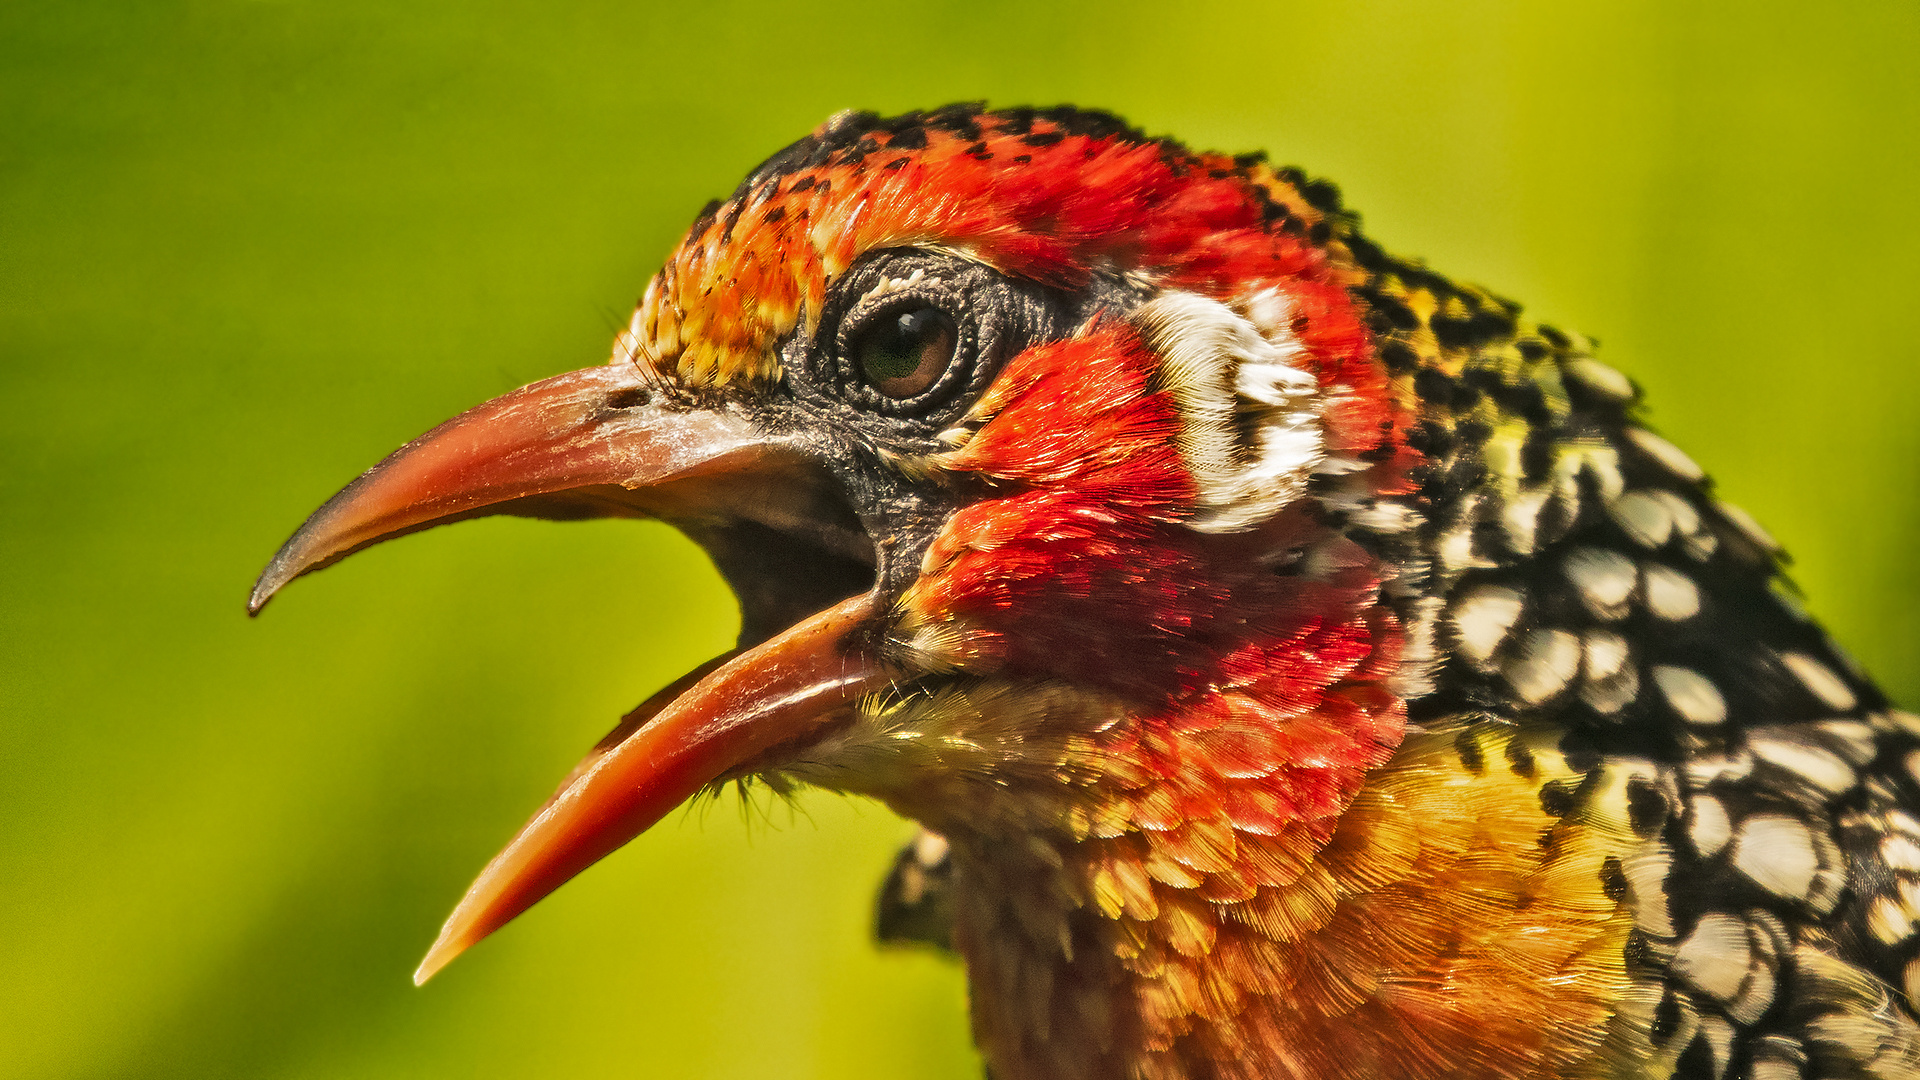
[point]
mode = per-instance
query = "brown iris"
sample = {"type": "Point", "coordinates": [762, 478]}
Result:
{"type": "Point", "coordinates": [903, 354]}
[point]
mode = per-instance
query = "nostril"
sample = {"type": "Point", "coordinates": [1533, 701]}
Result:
{"type": "Point", "coordinates": [629, 399]}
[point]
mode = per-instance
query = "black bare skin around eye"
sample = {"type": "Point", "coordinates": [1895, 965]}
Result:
{"type": "Point", "coordinates": [909, 338]}
{"type": "Point", "coordinates": [904, 353]}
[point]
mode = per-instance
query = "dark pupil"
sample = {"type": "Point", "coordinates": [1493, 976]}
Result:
{"type": "Point", "coordinates": [904, 355]}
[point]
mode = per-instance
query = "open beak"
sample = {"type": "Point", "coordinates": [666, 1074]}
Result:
{"type": "Point", "coordinates": [597, 443]}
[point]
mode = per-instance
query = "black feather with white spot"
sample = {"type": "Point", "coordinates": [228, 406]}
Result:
{"type": "Point", "coordinates": [1571, 568]}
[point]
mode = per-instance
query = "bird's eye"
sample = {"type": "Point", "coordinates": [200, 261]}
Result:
{"type": "Point", "coordinates": [908, 339]}
{"type": "Point", "coordinates": [903, 354]}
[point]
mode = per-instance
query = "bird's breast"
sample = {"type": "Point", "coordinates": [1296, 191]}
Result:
{"type": "Point", "coordinates": [1466, 915]}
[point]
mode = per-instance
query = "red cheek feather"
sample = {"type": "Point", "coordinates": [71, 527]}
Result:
{"type": "Point", "coordinates": [1083, 570]}
{"type": "Point", "coordinates": [1264, 695]}
{"type": "Point", "coordinates": [1080, 411]}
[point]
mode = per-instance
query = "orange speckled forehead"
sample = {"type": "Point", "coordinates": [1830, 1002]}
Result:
{"type": "Point", "coordinates": [1052, 195]}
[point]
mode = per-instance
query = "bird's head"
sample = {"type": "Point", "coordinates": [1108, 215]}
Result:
{"type": "Point", "coordinates": [1035, 451]}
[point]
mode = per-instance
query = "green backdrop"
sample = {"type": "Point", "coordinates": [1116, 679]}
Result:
{"type": "Point", "coordinates": [248, 247]}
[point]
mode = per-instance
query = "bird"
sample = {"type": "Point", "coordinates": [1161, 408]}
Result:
{"type": "Point", "coordinates": [1299, 664]}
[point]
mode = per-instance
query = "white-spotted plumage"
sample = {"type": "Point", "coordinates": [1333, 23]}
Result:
{"type": "Point", "coordinates": [1668, 455]}
{"type": "Point", "coordinates": [1482, 618]}
{"type": "Point", "coordinates": [1601, 378]}
{"type": "Point", "coordinates": [1803, 763]}
{"type": "Point", "coordinates": [1777, 852]}
{"type": "Point", "coordinates": [1545, 663]}
{"type": "Point", "coordinates": [1715, 958]}
{"type": "Point", "coordinates": [1593, 581]}
{"type": "Point", "coordinates": [1605, 580]}
{"type": "Point", "coordinates": [1820, 681]}
{"type": "Point", "coordinates": [1670, 594]}
{"type": "Point", "coordinates": [1691, 695]}
{"type": "Point", "coordinates": [1709, 828]}
{"type": "Point", "coordinates": [1643, 516]}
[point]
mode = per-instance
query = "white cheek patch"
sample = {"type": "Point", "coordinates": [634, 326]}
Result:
{"type": "Point", "coordinates": [1250, 430]}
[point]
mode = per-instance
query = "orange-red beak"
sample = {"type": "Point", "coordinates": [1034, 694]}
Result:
{"type": "Point", "coordinates": [602, 442]}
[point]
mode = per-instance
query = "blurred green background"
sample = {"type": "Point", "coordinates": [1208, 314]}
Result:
{"type": "Point", "coordinates": [246, 248]}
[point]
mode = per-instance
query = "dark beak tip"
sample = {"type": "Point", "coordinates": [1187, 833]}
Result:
{"type": "Point", "coordinates": [273, 578]}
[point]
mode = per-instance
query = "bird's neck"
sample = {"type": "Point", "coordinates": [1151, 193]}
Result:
{"type": "Point", "coordinates": [1264, 881]}
{"type": "Point", "coordinates": [1260, 875]}
{"type": "Point", "coordinates": [1381, 943]}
